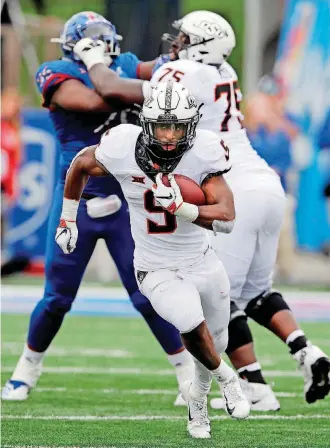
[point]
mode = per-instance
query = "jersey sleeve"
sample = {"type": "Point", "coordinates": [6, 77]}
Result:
{"type": "Point", "coordinates": [200, 84]}
{"type": "Point", "coordinates": [113, 148]}
{"type": "Point", "coordinates": [216, 157]}
{"type": "Point", "coordinates": [130, 64]}
{"type": "Point", "coordinates": [51, 75]}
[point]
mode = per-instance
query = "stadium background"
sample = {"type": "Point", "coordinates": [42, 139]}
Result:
{"type": "Point", "coordinates": [295, 34]}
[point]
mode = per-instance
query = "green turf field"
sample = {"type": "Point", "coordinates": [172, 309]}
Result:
{"type": "Point", "coordinates": [106, 383]}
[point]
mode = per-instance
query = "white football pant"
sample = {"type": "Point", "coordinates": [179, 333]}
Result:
{"type": "Point", "coordinates": [249, 251]}
{"type": "Point", "coordinates": [188, 296]}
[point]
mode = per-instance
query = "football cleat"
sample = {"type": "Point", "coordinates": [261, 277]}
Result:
{"type": "Point", "coordinates": [315, 367]}
{"type": "Point", "coordinates": [198, 423]}
{"type": "Point", "coordinates": [236, 403]}
{"type": "Point", "coordinates": [24, 378]}
{"type": "Point", "coordinates": [15, 391]}
{"type": "Point", "coordinates": [260, 397]}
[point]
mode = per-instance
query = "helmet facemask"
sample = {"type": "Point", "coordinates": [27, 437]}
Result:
{"type": "Point", "coordinates": [168, 137]}
{"type": "Point", "coordinates": [107, 34]}
{"type": "Point", "coordinates": [187, 46]}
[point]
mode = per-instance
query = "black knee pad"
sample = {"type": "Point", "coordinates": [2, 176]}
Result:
{"type": "Point", "coordinates": [239, 333]}
{"type": "Point", "coordinates": [262, 308]}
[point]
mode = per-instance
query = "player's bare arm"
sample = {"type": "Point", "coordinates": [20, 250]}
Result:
{"type": "Point", "coordinates": [82, 166]}
{"type": "Point", "coordinates": [75, 96]}
{"type": "Point", "coordinates": [145, 69]}
{"type": "Point", "coordinates": [108, 84]}
{"type": "Point", "coordinates": [218, 213]}
{"type": "Point", "coordinates": [220, 205]}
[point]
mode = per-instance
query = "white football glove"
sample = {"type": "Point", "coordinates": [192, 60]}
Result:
{"type": "Point", "coordinates": [67, 235]}
{"type": "Point", "coordinates": [91, 52]}
{"type": "Point", "coordinates": [170, 198]}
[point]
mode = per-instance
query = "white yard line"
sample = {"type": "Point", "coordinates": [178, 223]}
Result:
{"type": "Point", "coordinates": [137, 371]}
{"type": "Point", "coordinates": [15, 348]}
{"type": "Point", "coordinates": [155, 417]}
{"type": "Point", "coordinates": [171, 392]}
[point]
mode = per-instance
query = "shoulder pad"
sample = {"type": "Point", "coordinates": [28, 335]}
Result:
{"type": "Point", "coordinates": [227, 72]}
{"type": "Point", "coordinates": [121, 139]}
{"type": "Point", "coordinates": [51, 74]}
{"type": "Point", "coordinates": [207, 145]}
{"type": "Point", "coordinates": [128, 62]}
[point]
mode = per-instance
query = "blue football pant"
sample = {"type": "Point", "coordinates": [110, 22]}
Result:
{"type": "Point", "coordinates": [64, 273]}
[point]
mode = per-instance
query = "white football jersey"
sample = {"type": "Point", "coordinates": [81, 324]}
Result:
{"type": "Point", "coordinates": [162, 240]}
{"type": "Point", "coordinates": [219, 91]}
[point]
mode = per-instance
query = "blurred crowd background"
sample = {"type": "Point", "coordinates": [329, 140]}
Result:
{"type": "Point", "coordinates": [283, 61]}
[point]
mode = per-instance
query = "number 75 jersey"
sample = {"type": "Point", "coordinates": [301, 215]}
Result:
{"type": "Point", "coordinates": [162, 240]}
{"type": "Point", "coordinates": [216, 88]}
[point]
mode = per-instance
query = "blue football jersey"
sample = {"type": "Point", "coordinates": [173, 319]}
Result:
{"type": "Point", "coordinates": [76, 130]}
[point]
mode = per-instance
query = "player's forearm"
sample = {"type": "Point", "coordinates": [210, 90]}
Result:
{"type": "Point", "coordinates": [110, 86]}
{"type": "Point", "coordinates": [145, 69]}
{"type": "Point", "coordinates": [76, 180]}
{"type": "Point", "coordinates": [221, 216]}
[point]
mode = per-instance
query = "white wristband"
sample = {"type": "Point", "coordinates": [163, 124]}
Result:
{"type": "Point", "coordinates": [93, 59]}
{"type": "Point", "coordinates": [189, 212]}
{"type": "Point", "coordinates": [223, 226]}
{"type": "Point", "coordinates": [69, 209]}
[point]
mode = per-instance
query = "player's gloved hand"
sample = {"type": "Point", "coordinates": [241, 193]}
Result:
{"type": "Point", "coordinates": [169, 198]}
{"type": "Point", "coordinates": [91, 52]}
{"type": "Point", "coordinates": [67, 235]}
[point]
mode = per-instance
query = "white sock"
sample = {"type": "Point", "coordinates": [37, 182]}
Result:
{"type": "Point", "coordinates": [32, 356]}
{"type": "Point", "coordinates": [250, 367]}
{"type": "Point", "coordinates": [183, 365]}
{"type": "Point", "coordinates": [223, 373]}
{"type": "Point", "coordinates": [201, 382]}
{"type": "Point", "coordinates": [294, 335]}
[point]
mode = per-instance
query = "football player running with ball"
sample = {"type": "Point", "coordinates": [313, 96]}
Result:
{"type": "Point", "coordinates": [80, 116]}
{"type": "Point", "coordinates": [175, 267]}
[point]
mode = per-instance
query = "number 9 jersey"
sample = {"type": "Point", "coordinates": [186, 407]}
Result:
{"type": "Point", "coordinates": [162, 240]}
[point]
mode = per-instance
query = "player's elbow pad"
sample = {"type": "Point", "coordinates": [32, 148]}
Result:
{"type": "Point", "coordinates": [223, 226]}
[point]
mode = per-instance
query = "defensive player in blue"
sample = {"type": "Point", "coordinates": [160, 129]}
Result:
{"type": "Point", "coordinates": [80, 116]}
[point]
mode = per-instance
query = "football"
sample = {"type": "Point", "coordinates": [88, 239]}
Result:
{"type": "Point", "coordinates": [190, 190]}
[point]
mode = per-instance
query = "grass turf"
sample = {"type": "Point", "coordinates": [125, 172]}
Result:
{"type": "Point", "coordinates": [95, 405]}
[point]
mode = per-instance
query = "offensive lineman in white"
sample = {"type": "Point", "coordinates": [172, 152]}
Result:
{"type": "Point", "coordinates": [204, 41]}
{"type": "Point", "coordinates": [175, 267]}
{"type": "Point", "coordinates": [199, 51]}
